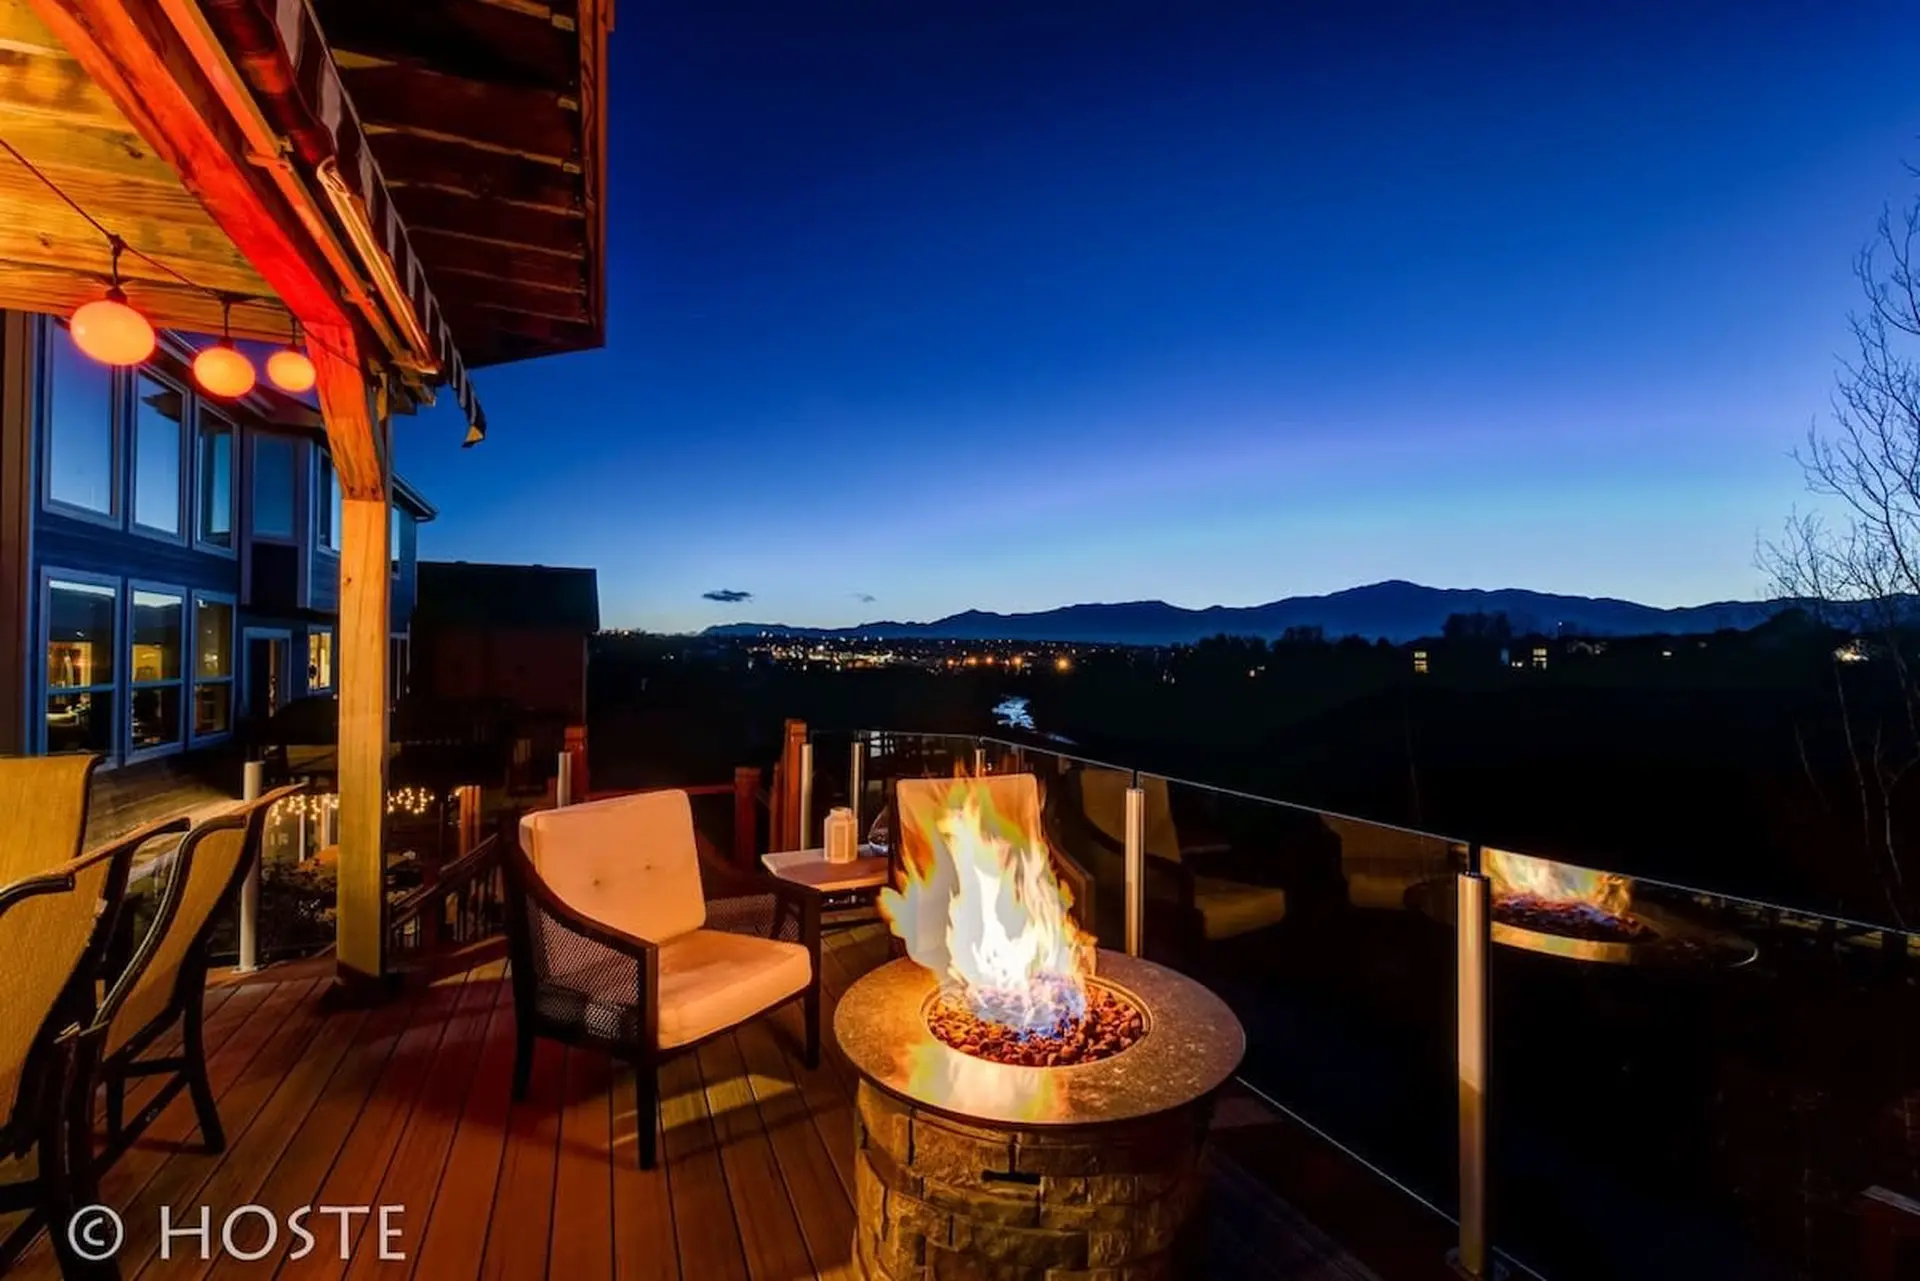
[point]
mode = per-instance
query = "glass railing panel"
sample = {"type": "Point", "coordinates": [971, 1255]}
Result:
{"type": "Point", "coordinates": [1688, 1084]}
{"type": "Point", "coordinates": [1332, 940]}
{"type": "Point", "coordinates": [889, 756]}
{"type": "Point", "coordinates": [1089, 863]}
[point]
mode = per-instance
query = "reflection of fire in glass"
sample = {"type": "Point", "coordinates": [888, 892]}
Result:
{"type": "Point", "coordinates": [1559, 898]}
{"type": "Point", "coordinates": [988, 916]}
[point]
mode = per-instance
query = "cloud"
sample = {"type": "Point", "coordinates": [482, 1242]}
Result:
{"type": "Point", "coordinates": [863, 597]}
{"type": "Point", "coordinates": [726, 596]}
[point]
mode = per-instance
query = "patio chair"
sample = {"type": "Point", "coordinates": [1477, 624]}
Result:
{"type": "Point", "coordinates": [612, 942]}
{"type": "Point", "coordinates": [165, 982]}
{"type": "Point", "coordinates": [54, 929]}
{"type": "Point", "coordinates": [1211, 908]}
{"type": "Point", "coordinates": [43, 812]}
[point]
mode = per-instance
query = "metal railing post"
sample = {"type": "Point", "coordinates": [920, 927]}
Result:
{"type": "Point", "coordinates": [563, 782]}
{"type": "Point", "coordinates": [1473, 933]}
{"type": "Point", "coordinates": [806, 794]}
{"type": "Point", "coordinates": [979, 761]}
{"type": "Point", "coordinates": [857, 781]}
{"type": "Point", "coordinates": [1136, 865]}
{"type": "Point", "coordinates": [255, 782]}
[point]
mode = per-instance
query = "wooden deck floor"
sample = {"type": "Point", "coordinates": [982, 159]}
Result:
{"type": "Point", "coordinates": [407, 1104]}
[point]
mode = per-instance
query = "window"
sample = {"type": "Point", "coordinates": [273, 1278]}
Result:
{"type": "Point", "coordinates": [80, 427]}
{"type": "Point", "coordinates": [154, 679]}
{"type": "Point", "coordinates": [215, 519]}
{"type": "Point", "coordinates": [393, 533]}
{"type": "Point", "coordinates": [272, 486]}
{"type": "Point", "coordinates": [159, 415]}
{"type": "Point", "coordinates": [212, 666]}
{"type": "Point", "coordinates": [327, 511]}
{"type": "Point", "coordinates": [319, 659]}
{"type": "Point", "coordinates": [80, 647]}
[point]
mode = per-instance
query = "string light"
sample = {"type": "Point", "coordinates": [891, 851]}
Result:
{"type": "Point", "coordinates": [289, 368]}
{"type": "Point", "coordinates": [109, 329]}
{"type": "Point", "coordinates": [220, 369]}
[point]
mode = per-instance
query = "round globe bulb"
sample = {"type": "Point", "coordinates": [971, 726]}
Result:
{"type": "Point", "coordinates": [222, 371]}
{"type": "Point", "coordinates": [112, 332]}
{"type": "Point", "coordinates": [290, 370]}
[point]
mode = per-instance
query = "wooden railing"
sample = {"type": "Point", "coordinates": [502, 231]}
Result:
{"type": "Point", "coordinates": [465, 903]}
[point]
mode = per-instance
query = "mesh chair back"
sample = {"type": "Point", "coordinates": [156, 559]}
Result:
{"type": "Point", "coordinates": [45, 938]}
{"type": "Point", "coordinates": [44, 801]}
{"type": "Point", "coordinates": [560, 976]}
{"type": "Point", "coordinates": [207, 868]}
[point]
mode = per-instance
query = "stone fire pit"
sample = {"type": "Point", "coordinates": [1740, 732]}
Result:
{"type": "Point", "coordinates": [973, 1168]}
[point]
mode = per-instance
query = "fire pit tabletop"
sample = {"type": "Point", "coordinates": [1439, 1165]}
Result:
{"type": "Point", "coordinates": [1192, 1045]}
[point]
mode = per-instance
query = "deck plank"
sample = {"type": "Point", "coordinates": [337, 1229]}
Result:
{"type": "Point", "coordinates": [452, 1238]}
{"type": "Point", "coordinates": [297, 1177]}
{"type": "Point", "coordinates": [238, 1176]}
{"type": "Point", "coordinates": [704, 1224]}
{"type": "Point", "coordinates": [420, 1157]}
{"type": "Point", "coordinates": [769, 1232]}
{"type": "Point", "coordinates": [823, 1206]}
{"type": "Point", "coordinates": [643, 1240]}
{"type": "Point", "coordinates": [181, 1176]}
{"type": "Point", "coordinates": [361, 1161]}
{"type": "Point", "coordinates": [583, 1172]}
{"type": "Point", "coordinates": [521, 1227]}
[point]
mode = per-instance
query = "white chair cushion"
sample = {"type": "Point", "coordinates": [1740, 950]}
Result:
{"type": "Point", "coordinates": [629, 862]}
{"type": "Point", "coordinates": [711, 980]}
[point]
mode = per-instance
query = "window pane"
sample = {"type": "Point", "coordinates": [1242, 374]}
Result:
{"type": "Point", "coordinates": [156, 636]}
{"type": "Point", "coordinates": [80, 723]}
{"type": "Point", "coordinates": [212, 709]}
{"type": "Point", "coordinates": [319, 660]}
{"type": "Point", "coordinates": [156, 716]}
{"type": "Point", "coordinates": [327, 512]}
{"type": "Point", "coordinates": [157, 410]}
{"type": "Point", "coordinates": [79, 635]}
{"type": "Point", "coordinates": [216, 481]}
{"type": "Point", "coordinates": [79, 426]}
{"type": "Point", "coordinates": [273, 486]}
{"type": "Point", "coordinates": [213, 638]}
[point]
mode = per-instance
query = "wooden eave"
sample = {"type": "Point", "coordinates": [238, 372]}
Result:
{"type": "Point", "coordinates": [488, 119]}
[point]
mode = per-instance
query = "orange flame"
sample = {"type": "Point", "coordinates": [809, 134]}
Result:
{"type": "Point", "coordinates": [1518, 876]}
{"type": "Point", "coordinates": [982, 908]}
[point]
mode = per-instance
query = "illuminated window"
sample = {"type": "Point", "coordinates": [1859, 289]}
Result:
{"type": "Point", "coordinates": [80, 427]}
{"type": "Point", "coordinates": [159, 415]}
{"type": "Point", "coordinates": [1420, 662]}
{"type": "Point", "coordinates": [80, 649]}
{"type": "Point", "coordinates": [319, 659]}
{"type": "Point", "coordinates": [212, 666]}
{"type": "Point", "coordinates": [1540, 657]}
{"type": "Point", "coordinates": [155, 673]}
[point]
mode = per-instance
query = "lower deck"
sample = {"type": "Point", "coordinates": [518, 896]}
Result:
{"type": "Point", "coordinates": [407, 1104]}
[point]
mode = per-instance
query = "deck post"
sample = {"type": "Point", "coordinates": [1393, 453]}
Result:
{"type": "Point", "coordinates": [1473, 935]}
{"type": "Point", "coordinates": [1136, 852]}
{"type": "Point", "coordinates": [255, 776]}
{"type": "Point", "coordinates": [857, 781]}
{"type": "Point", "coordinates": [805, 826]}
{"type": "Point", "coordinates": [354, 407]}
{"type": "Point", "coordinates": [746, 834]}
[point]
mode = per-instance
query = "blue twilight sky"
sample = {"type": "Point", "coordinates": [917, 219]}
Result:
{"type": "Point", "coordinates": [1015, 303]}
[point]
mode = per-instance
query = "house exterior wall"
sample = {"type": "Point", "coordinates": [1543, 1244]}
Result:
{"type": "Point", "coordinates": [535, 670]}
{"type": "Point", "coordinates": [171, 677]}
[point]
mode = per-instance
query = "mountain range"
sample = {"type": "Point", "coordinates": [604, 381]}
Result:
{"type": "Point", "coordinates": [1398, 611]}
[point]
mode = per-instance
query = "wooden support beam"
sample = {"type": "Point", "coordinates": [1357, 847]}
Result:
{"type": "Point", "coordinates": [520, 122]}
{"type": "Point", "coordinates": [456, 255]}
{"type": "Point", "coordinates": [409, 160]}
{"type": "Point", "coordinates": [357, 430]}
{"type": "Point", "coordinates": [492, 221]}
{"type": "Point", "coordinates": [168, 304]}
{"type": "Point", "coordinates": [501, 294]}
{"type": "Point", "coordinates": [131, 51]}
{"type": "Point", "coordinates": [477, 41]}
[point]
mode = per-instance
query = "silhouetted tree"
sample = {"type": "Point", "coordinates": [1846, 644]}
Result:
{"type": "Point", "coordinates": [1301, 637]}
{"type": "Point", "coordinates": [1861, 568]}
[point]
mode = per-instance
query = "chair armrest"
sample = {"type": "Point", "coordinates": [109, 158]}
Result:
{"type": "Point", "coordinates": [576, 922]}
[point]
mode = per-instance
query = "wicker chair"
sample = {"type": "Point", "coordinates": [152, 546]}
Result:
{"type": "Point", "coordinates": [614, 944]}
{"type": "Point", "coordinates": [165, 981]}
{"type": "Point", "coordinates": [54, 932]}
